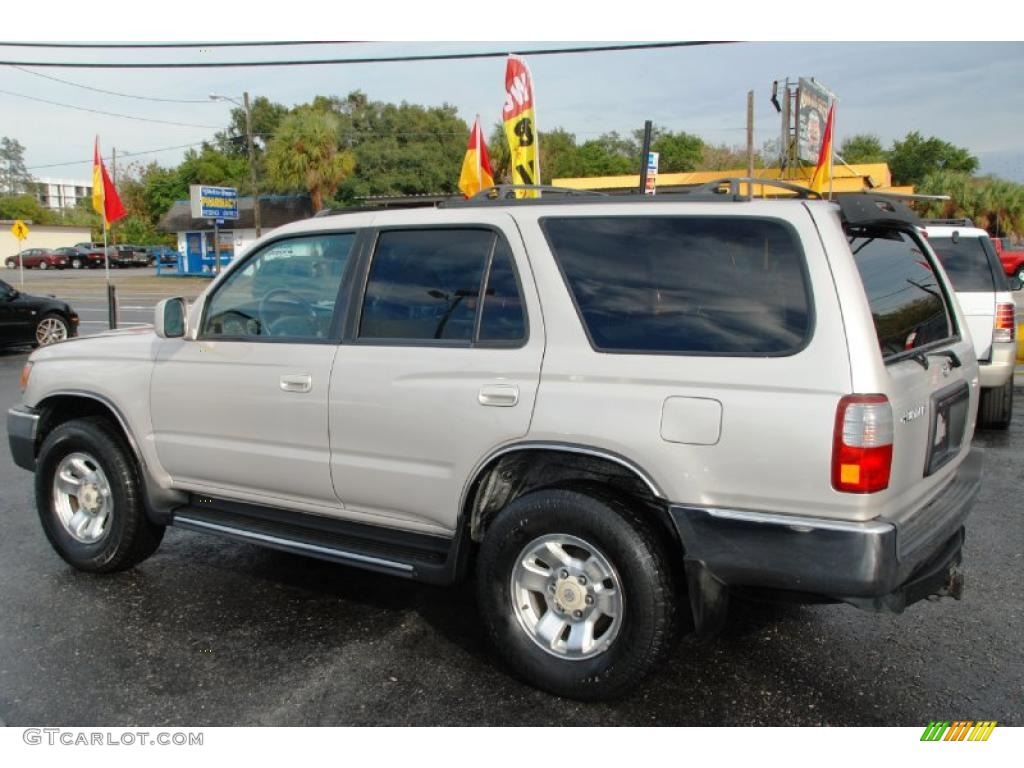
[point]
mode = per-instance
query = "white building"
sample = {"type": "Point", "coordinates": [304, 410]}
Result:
{"type": "Point", "coordinates": [60, 194]}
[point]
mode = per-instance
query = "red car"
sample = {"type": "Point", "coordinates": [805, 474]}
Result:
{"type": "Point", "coordinates": [1012, 261]}
{"type": "Point", "coordinates": [43, 258]}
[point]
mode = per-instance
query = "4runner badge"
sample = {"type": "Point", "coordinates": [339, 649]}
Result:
{"type": "Point", "coordinates": [914, 414]}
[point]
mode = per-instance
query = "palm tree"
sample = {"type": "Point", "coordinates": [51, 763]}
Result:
{"type": "Point", "coordinates": [305, 154]}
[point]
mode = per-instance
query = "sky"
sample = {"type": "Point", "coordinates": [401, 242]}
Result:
{"type": "Point", "coordinates": [967, 93]}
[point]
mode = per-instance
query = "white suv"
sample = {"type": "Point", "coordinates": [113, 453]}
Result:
{"type": "Point", "coordinates": [618, 411]}
{"type": "Point", "coordinates": [983, 290]}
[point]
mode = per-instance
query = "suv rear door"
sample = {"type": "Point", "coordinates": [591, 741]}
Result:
{"type": "Point", "coordinates": [973, 271]}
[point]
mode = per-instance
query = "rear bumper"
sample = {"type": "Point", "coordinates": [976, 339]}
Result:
{"type": "Point", "coordinates": [999, 368]}
{"type": "Point", "coordinates": [877, 564]}
{"type": "Point", "coordinates": [21, 436]}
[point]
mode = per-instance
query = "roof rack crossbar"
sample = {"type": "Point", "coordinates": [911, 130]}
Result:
{"type": "Point", "coordinates": [508, 191]}
{"type": "Point", "coordinates": [735, 182]}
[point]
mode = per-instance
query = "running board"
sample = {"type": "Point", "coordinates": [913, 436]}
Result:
{"type": "Point", "coordinates": [417, 556]}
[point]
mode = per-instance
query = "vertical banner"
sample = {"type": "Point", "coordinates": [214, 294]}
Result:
{"type": "Point", "coordinates": [520, 125]}
{"type": "Point", "coordinates": [652, 173]}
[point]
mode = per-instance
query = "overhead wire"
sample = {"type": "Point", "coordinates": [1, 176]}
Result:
{"type": "Point", "coordinates": [229, 44]}
{"type": "Point", "coordinates": [111, 93]}
{"type": "Point", "coordinates": [109, 114]}
{"type": "Point", "coordinates": [368, 59]}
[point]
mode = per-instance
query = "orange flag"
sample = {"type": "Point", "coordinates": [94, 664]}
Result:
{"type": "Point", "coordinates": [476, 167]}
{"type": "Point", "coordinates": [823, 172]}
{"type": "Point", "coordinates": [104, 195]}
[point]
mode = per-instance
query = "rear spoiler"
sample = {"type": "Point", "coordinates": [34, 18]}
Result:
{"type": "Point", "coordinates": [873, 209]}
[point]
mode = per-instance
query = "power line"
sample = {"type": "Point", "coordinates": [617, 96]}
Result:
{"type": "Point", "coordinates": [366, 59]}
{"type": "Point", "coordinates": [109, 114]}
{"type": "Point", "coordinates": [266, 43]}
{"type": "Point", "coordinates": [112, 93]}
{"type": "Point", "coordinates": [124, 154]}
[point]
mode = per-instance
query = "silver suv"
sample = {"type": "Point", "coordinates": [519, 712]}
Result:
{"type": "Point", "coordinates": [616, 411]}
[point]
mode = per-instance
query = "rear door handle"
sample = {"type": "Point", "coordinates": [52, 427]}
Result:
{"type": "Point", "coordinates": [501, 395]}
{"type": "Point", "coordinates": [297, 382]}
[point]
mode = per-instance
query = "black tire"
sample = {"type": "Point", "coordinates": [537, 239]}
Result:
{"type": "Point", "coordinates": [76, 263]}
{"type": "Point", "coordinates": [1020, 274]}
{"type": "Point", "coordinates": [11, 264]}
{"type": "Point", "coordinates": [130, 536]}
{"type": "Point", "coordinates": [43, 264]}
{"type": "Point", "coordinates": [996, 407]}
{"type": "Point", "coordinates": [650, 615]}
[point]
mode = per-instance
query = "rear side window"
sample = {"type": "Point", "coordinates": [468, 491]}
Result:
{"type": "Point", "coordinates": [448, 285]}
{"type": "Point", "coordinates": [908, 305]}
{"type": "Point", "coordinates": [685, 285]}
{"type": "Point", "coordinates": [966, 262]}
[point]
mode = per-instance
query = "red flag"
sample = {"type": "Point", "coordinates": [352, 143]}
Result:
{"type": "Point", "coordinates": [104, 195]}
{"type": "Point", "coordinates": [476, 166]}
{"type": "Point", "coordinates": [823, 172]}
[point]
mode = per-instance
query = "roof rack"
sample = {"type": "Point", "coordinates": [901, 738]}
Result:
{"type": "Point", "coordinates": [735, 182]}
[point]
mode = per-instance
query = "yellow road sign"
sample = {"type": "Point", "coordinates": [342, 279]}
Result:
{"type": "Point", "coordinates": [19, 230]}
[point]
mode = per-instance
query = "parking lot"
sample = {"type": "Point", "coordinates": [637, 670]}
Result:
{"type": "Point", "coordinates": [217, 633]}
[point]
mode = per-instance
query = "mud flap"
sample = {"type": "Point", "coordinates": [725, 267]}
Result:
{"type": "Point", "coordinates": [709, 600]}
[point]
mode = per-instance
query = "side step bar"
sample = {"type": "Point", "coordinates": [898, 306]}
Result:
{"type": "Point", "coordinates": [421, 557]}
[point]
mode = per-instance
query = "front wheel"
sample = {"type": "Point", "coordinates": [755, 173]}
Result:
{"type": "Point", "coordinates": [76, 263]}
{"type": "Point", "coordinates": [11, 264]}
{"type": "Point", "coordinates": [1020, 274]}
{"type": "Point", "coordinates": [51, 329]}
{"type": "Point", "coordinates": [577, 593]}
{"type": "Point", "coordinates": [89, 498]}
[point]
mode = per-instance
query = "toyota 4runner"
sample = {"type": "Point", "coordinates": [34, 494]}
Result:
{"type": "Point", "coordinates": [617, 411]}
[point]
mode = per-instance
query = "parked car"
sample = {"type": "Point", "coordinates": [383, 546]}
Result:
{"type": "Point", "coordinates": [38, 320]}
{"type": "Point", "coordinates": [970, 260]}
{"type": "Point", "coordinates": [720, 394]}
{"type": "Point", "coordinates": [1011, 259]}
{"type": "Point", "coordinates": [38, 258]}
{"type": "Point", "coordinates": [164, 254]}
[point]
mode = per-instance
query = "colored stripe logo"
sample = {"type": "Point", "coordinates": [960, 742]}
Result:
{"type": "Point", "coordinates": [958, 730]}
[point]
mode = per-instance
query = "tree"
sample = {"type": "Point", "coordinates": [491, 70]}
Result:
{"type": "Point", "coordinates": [559, 155]}
{"type": "Point", "coordinates": [993, 204]}
{"type": "Point", "coordinates": [26, 207]}
{"type": "Point", "coordinates": [722, 157]}
{"type": "Point", "coordinates": [14, 177]}
{"type": "Point", "coordinates": [305, 154]}
{"type": "Point", "coordinates": [266, 117]}
{"type": "Point", "coordinates": [863, 148]}
{"type": "Point", "coordinates": [912, 159]}
{"type": "Point", "coordinates": [677, 152]}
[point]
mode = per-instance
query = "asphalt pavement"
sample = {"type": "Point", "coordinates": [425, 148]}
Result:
{"type": "Point", "coordinates": [211, 632]}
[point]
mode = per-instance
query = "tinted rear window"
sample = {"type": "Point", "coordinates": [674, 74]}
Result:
{"type": "Point", "coordinates": [966, 262]}
{"type": "Point", "coordinates": [685, 285]}
{"type": "Point", "coordinates": [907, 302]}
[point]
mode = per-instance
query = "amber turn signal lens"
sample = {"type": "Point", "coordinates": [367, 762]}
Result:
{"type": "Point", "coordinates": [26, 371]}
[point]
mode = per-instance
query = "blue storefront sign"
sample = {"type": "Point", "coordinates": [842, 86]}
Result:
{"type": "Point", "coordinates": [214, 202]}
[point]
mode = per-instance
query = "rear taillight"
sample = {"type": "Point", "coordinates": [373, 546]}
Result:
{"type": "Point", "coordinates": [1002, 328]}
{"type": "Point", "coordinates": [862, 444]}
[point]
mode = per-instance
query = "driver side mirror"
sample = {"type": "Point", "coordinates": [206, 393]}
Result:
{"type": "Point", "coordinates": [170, 319]}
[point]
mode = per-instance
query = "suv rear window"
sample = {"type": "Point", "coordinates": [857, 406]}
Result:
{"type": "Point", "coordinates": [966, 262]}
{"type": "Point", "coordinates": [907, 302]}
{"type": "Point", "coordinates": [685, 285]}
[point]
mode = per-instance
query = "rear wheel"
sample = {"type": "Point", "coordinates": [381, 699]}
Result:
{"type": "Point", "coordinates": [43, 264]}
{"type": "Point", "coordinates": [89, 498]}
{"type": "Point", "coordinates": [996, 407]}
{"type": "Point", "coordinates": [577, 594]}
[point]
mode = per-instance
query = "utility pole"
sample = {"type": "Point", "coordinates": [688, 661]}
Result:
{"type": "Point", "coordinates": [750, 143]}
{"type": "Point", "coordinates": [648, 126]}
{"type": "Point", "coordinates": [252, 164]}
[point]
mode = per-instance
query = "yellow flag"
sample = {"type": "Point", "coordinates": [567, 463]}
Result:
{"type": "Point", "coordinates": [521, 126]}
{"type": "Point", "coordinates": [476, 166]}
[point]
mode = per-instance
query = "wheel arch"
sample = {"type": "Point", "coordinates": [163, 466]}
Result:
{"type": "Point", "coordinates": [66, 405]}
{"type": "Point", "coordinates": [514, 470]}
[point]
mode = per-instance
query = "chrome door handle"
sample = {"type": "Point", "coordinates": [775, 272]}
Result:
{"type": "Point", "coordinates": [501, 395]}
{"type": "Point", "coordinates": [298, 382]}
